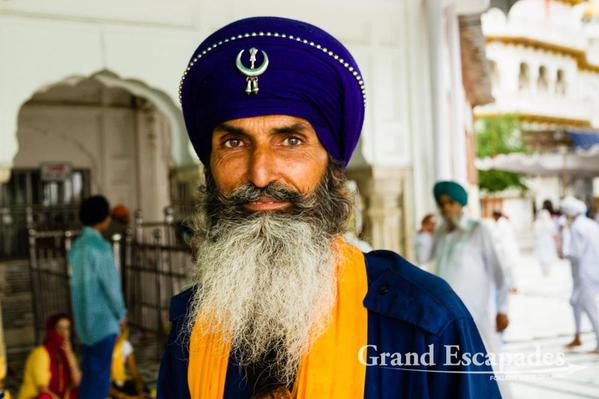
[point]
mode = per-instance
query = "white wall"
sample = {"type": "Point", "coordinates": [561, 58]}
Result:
{"type": "Point", "coordinates": [125, 150]}
{"type": "Point", "coordinates": [44, 49]}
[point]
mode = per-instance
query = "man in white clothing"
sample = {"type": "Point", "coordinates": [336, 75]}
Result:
{"type": "Point", "coordinates": [581, 247]}
{"type": "Point", "coordinates": [466, 258]}
{"type": "Point", "coordinates": [423, 241]}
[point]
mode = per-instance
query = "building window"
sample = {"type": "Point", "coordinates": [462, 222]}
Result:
{"type": "Point", "coordinates": [543, 82]}
{"type": "Point", "coordinates": [560, 83]}
{"type": "Point", "coordinates": [523, 77]}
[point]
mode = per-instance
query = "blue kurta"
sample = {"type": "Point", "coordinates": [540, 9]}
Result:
{"type": "Point", "coordinates": [408, 311]}
{"type": "Point", "coordinates": [96, 294]}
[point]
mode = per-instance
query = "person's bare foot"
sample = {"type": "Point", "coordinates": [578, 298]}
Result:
{"type": "Point", "coordinates": [575, 342]}
{"type": "Point", "coordinates": [594, 351]}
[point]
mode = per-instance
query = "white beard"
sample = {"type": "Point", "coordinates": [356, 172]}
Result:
{"type": "Point", "coordinates": [266, 280]}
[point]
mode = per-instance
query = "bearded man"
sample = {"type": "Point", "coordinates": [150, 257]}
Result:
{"type": "Point", "coordinates": [282, 306]}
{"type": "Point", "coordinates": [466, 257]}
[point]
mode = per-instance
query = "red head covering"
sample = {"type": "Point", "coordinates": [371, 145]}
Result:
{"type": "Point", "coordinates": [59, 365]}
{"type": "Point", "coordinates": [121, 212]}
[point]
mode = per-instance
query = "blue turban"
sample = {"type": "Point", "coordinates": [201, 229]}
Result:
{"type": "Point", "coordinates": [303, 72]}
{"type": "Point", "coordinates": [453, 190]}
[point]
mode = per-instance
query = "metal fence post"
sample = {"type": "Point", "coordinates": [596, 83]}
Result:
{"type": "Point", "coordinates": [29, 216]}
{"type": "Point", "coordinates": [158, 279]}
{"type": "Point", "coordinates": [116, 251]}
{"type": "Point", "coordinates": [138, 225]}
{"type": "Point", "coordinates": [127, 262]}
{"type": "Point", "coordinates": [169, 218]}
{"type": "Point", "coordinates": [68, 238]}
{"type": "Point", "coordinates": [171, 242]}
{"type": "Point", "coordinates": [34, 282]}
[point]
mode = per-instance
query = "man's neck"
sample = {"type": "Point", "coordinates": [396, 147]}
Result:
{"type": "Point", "coordinates": [453, 225]}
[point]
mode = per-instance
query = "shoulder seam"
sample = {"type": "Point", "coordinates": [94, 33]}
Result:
{"type": "Point", "coordinates": [452, 313]}
{"type": "Point", "coordinates": [438, 300]}
{"type": "Point", "coordinates": [451, 321]}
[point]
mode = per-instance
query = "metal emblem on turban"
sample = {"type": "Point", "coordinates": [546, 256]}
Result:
{"type": "Point", "coordinates": [252, 72]}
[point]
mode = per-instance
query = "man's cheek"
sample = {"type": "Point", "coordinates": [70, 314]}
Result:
{"type": "Point", "coordinates": [227, 183]}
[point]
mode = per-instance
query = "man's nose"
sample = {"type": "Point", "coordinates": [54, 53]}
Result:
{"type": "Point", "coordinates": [262, 168]}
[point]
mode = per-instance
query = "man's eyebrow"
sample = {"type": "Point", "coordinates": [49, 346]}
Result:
{"type": "Point", "coordinates": [230, 129]}
{"type": "Point", "coordinates": [295, 128]}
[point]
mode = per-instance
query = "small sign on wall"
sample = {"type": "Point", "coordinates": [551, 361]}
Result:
{"type": "Point", "coordinates": [55, 171]}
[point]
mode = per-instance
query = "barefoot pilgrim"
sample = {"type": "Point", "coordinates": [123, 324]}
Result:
{"type": "Point", "coordinates": [281, 305]}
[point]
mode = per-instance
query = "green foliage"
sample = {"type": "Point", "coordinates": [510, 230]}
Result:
{"type": "Point", "coordinates": [498, 135]}
{"type": "Point", "coordinates": [494, 136]}
{"type": "Point", "coordinates": [494, 181]}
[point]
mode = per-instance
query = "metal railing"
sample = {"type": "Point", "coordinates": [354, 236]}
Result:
{"type": "Point", "coordinates": [152, 259]}
{"type": "Point", "coordinates": [158, 265]}
{"type": "Point", "coordinates": [16, 221]}
{"type": "Point", "coordinates": [49, 275]}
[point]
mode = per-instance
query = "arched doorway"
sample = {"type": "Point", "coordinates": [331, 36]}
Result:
{"type": "Point", "coordinates": [82, 137]}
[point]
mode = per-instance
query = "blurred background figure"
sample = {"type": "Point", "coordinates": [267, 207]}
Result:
{"type": "Point", "coordinates": [355, 225]}
{"type": "Point", "coordinates": [506, 246]}
{"type": "Point", "coordinates": [3, 393]}
{"type": "Point", "coordinates": [466, 257]}
{"type": "Point", "coordinates": [51, 370]}
{"type": "Point", "coordinates": [424, 239]}
{"type": "Point", "coordinates": [581, 247]}
{"type": "Point", "coordinates": [545, 244]}
{"type": "Point", "coordinates": [96, 297]}
{"type": "Point", "coordinates": [126, 380]}
{"type": "Point", "coordinates": [119, 222]}
{"type": "Point", "coordinates": [548, 206]}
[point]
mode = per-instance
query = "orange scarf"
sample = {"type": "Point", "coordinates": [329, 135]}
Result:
{"type": "Point", "coordinates": [330, 370]}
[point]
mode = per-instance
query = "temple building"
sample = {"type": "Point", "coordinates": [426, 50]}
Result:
{"type": "Point", "coordinates": [545, 71]}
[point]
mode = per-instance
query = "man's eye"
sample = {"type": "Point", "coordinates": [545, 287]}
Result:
{"type": "Point", "coordinates": [233, 143]}
{"type": "Point", "coordinates": [292, 141]}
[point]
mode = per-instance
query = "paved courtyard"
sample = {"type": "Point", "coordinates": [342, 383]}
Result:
{"type": "Point", "coordinates": [541, 319]}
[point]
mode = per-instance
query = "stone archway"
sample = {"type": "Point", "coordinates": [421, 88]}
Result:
{"type": "Point", "coordinates": [119, 134]}
{"type": "Point", "coordinates": [120, 138]}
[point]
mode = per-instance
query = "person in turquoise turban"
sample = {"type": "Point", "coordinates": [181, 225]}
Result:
{"type": "Point", "coordinates": [453, 190]}
{"type": "Point", "coordinates": [465, 256]}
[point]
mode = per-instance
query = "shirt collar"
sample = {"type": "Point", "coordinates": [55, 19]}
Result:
{"type": "Point", "coordinates": [90, 231]}
{"type": "Point", "coordinates": [463, 225]}
{"type": "Point", "coordinates": [577, 218]}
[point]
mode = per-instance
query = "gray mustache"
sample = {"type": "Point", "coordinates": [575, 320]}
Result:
{"type": "Point", "coordinates": [249, 193]}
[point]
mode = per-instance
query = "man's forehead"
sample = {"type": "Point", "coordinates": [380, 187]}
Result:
{"type": "Point", "coordinates": [444, 198]}
{"type": "Point", "coordinates": [267, 123]}
{"type": "Point", "coordinates": [269, 65]}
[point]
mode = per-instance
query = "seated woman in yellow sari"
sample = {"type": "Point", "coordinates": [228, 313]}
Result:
{"type": "Point", "coordinates": [51, 370]}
